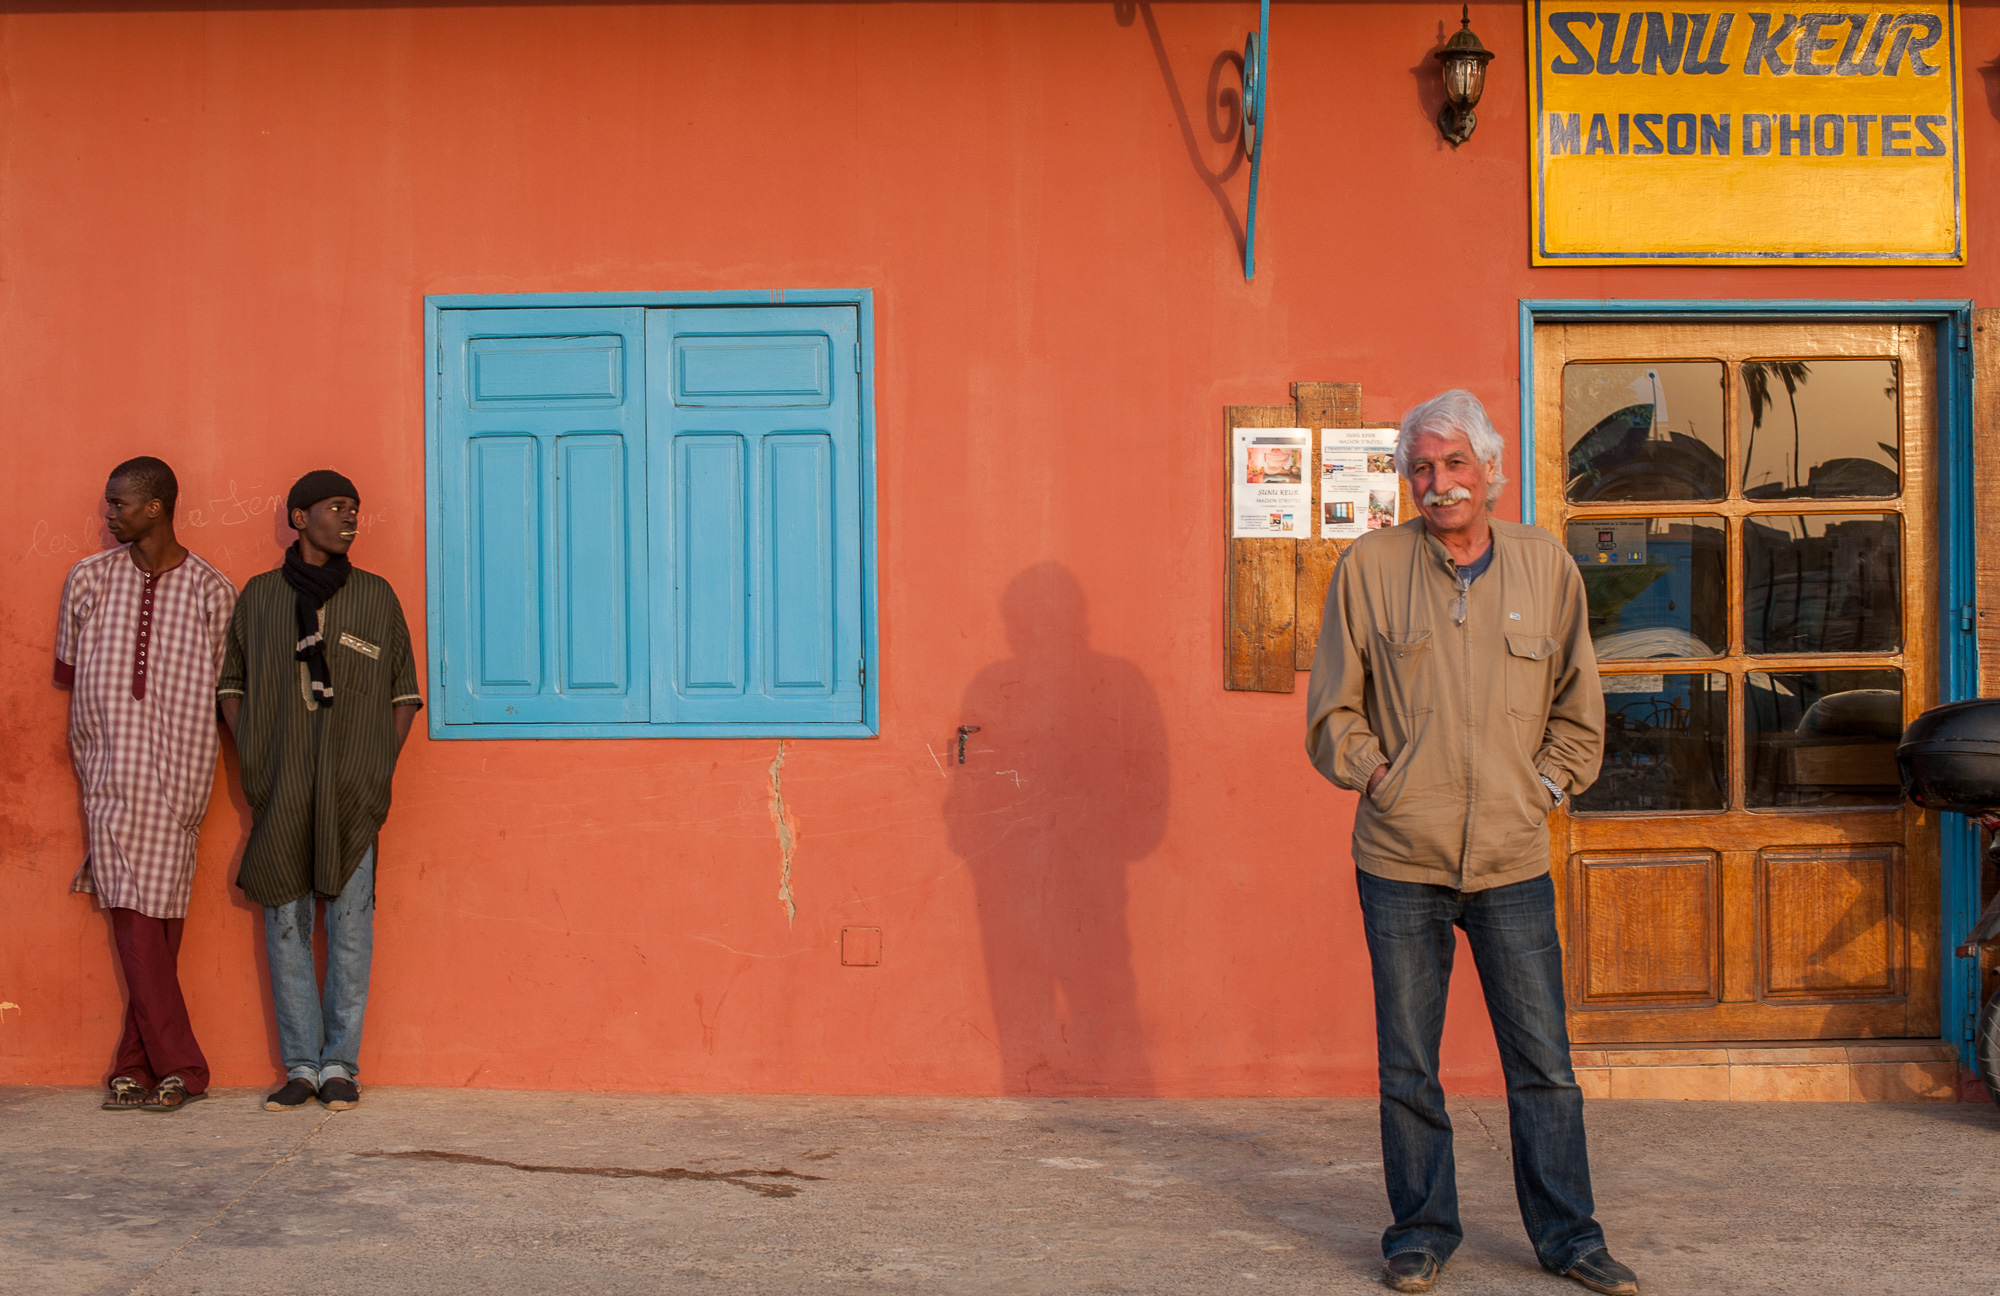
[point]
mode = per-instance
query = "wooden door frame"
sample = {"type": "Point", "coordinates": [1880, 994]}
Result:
{"type": "Point", "coordinates": [1957, 646]}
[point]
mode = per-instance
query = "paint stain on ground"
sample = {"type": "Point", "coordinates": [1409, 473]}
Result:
{"type": "Point", "coordinates": [765, 1183]}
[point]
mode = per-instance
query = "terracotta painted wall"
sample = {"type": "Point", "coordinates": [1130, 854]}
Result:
{"type": "Point", "coordinates": [216, 231]}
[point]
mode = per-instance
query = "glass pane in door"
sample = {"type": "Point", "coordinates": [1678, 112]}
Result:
{"type": "Point", "coordinates": [1643, 430]}
{"type": "Point", "coordinates": [1822, 582]}
{"type": "Point", "coordinates": [1664, 745]}
{"type": "Point", "coordinates": [1822, 738]}
{"type": "Point", "coordinates": [1821, 429]}
{"type": "Point", "coordinates": [1656, 586]}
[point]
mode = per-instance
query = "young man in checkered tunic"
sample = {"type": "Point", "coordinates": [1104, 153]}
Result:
{"type": "Point", "coordinates": [139, 641]}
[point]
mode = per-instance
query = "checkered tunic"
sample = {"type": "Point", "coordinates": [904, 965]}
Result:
{"type": "Point", "coordinates": [142, 727]}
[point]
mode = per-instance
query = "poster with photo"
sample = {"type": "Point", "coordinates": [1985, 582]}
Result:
{"type": "Point", "coordinates": [1270, 494]}
{"type": "Point", "coordinates": [1358, 490]}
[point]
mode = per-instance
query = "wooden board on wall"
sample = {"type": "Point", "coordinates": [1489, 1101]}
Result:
{"type": "Point", "coordinates": [1318, 405]}
{"type": "Point", "coordinates": [1276, 589]}
{"type": "Point", "coordinates": [1986, 487]}
{"type": "Point", "coordinates": [1316, 570]}
{"type": "Point", "coordinates": [1260, 598]}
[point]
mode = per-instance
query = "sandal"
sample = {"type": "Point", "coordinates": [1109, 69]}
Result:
{"type": "Point", "coordinates": [126, 1094]}
{"type": "Point", "coordinates": [172, 1095]}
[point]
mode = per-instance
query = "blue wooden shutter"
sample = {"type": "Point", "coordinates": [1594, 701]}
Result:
{"type": "Point", "coordinates": [543, 507]}
{"type": "Point", "coordinates": [755, 420]}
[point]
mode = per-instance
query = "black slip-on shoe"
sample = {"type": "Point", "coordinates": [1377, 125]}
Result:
{"type": "Point", "coordinates": [170, 1095]}
{"type": "Point", "coordinates": [126, 1094]}
{"type": "Point", "coordinates": [1410, 1271]}
{"type": "Point", "coordinates": [340, 1093]}
{"type": "Point", "coordinates": [1599, 1272]}
{"type": "Point", "coordinates": [296, 1094]}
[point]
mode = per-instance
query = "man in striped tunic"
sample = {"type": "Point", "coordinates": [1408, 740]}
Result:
{"type": "Point", "coordinates": [138, 642]}
{"type": "Point", "coordinates": [319, 687]}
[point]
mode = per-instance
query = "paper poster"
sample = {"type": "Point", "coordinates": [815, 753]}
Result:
{"type": "Point", "coordinates": [1609, 540]}
{"type": "Point", "coordinates": [1358, 489]}
{"type": "Point", "coordinates": [1270, 495]}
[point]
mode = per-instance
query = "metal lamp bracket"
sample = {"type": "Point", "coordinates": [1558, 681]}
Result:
{"type": "Point", "coordinates": [1256, 72]}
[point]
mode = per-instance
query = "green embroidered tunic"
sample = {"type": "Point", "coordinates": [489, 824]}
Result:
{"type": "Point", "coordinates": [317, 778]}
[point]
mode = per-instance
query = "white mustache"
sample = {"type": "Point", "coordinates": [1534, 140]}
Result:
{"type": "Point", "coordinates": [1456, 495]}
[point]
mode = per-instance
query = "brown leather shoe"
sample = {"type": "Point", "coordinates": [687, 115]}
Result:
{"type": "Point", "coordinates": [126, 1094]}
{"type": "Point", "coordinates": [1410, 1271]}
{"type": "Point", "coordinates": [170, 1095]}
{"type": "Point", "coordinates": [1599, 1272]}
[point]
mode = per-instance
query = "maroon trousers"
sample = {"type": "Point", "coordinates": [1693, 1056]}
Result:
{"type": "Point", "coordinates": [158, 1039]}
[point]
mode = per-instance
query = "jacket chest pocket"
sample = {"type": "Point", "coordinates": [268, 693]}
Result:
{"type": "Point", "coordinates": [1527, 666]}
{"type": "Point", "coordinates": [355, 661]}
{"type": "Point", "coordinates": [1402, 671]}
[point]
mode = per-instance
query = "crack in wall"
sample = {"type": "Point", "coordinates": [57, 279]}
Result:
{"type": "Point", "coordinates": [745, 1179]}
{"type": "Point", "coordinates": [788, 834]}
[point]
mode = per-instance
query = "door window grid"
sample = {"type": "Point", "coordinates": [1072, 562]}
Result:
{"type": "Point", "coordinates": [1676, 709]}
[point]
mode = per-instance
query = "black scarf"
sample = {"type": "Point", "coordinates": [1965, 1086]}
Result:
{"type": "Point", "coordinates": [315, 585]}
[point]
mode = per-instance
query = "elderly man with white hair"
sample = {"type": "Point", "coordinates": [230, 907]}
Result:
{"type": "Point", "coordinates": [1456, 690]}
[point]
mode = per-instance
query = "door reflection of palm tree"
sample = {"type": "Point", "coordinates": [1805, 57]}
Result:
{"type": "Point", "coordinates": [1063, 790]}
{"type": "Point", "coordinates": [1757, 375]}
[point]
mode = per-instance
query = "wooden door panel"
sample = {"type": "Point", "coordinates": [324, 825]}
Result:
{"type": "Point", "coordinates": [1700, 1023]}
{"type": "Point", "coordinates": [1650, 929]}
{"type": "Point", "coordinates": [1786, 914]}
{"type": "Point", "coordinates": [1762, 830]}
{"type": "Point", "coordinates": [1832, 923]}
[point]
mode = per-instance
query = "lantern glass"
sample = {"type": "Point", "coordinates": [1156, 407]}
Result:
{"type": "Point", "coordinates": [1464, 80]}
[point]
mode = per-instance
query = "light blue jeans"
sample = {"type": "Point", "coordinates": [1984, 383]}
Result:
{"type": "Point", "coordinates": [320, 1033]}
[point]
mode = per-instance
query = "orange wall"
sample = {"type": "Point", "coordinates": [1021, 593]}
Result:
{"type": "Point", "coordinates": [216, 232]}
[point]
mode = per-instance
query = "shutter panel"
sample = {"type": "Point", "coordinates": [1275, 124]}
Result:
{"type": "Point", "coordinates": [542, 502]}
{"type": "Point", "coordinates": [755, 416]}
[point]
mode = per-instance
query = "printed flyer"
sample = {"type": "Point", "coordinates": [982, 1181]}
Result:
{"type": "Point", "coordinates": [1270, 495]}
{"type": "Point", "coordinates": [1358, 489]}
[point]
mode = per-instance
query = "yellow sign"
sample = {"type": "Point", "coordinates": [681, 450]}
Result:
{"type": "Point", "coordinates": [1720, 135]}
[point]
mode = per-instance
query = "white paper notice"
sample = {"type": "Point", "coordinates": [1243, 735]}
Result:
{"type": "Point", "coordinates": [1270, 494]}
{"type": "Point", "coordinates": [1358, 490]}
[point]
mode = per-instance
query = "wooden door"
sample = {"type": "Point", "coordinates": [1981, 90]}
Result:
{"type": "Point", "coordinates": [1752, 508]}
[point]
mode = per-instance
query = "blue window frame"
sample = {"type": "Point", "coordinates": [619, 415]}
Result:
{"type": "Point", "coordinates": [651, 515]}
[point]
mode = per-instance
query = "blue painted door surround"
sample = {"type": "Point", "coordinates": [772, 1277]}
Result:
{"type": "Point", "coordinates": [651, 516]}
{"type": "Point", "coordinates": [1958, 659]}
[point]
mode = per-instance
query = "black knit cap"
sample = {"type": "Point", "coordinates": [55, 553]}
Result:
{"type": "Point", "coordinates": [319, 484]}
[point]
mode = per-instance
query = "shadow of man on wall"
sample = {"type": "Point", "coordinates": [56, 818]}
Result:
{"type": "Point", "coordinates": [1063, 789]}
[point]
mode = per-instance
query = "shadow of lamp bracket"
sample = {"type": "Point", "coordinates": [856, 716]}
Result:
{"type": "Point", "coordinates": [1256, 73]}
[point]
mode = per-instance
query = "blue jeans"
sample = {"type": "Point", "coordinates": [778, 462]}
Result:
{"type": "Point", "coordinates": [320, 1033]}
{"type": "Point", "coordinates": [1512, 930]}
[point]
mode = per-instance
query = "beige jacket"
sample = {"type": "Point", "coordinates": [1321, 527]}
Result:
{"type": "Point", "coordinates": [1465, 716]}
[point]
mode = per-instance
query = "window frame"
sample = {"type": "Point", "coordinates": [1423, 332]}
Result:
{"type": "Point", "coordinates": [435, 564]}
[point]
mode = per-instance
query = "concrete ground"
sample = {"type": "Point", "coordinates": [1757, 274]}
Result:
{"type": "Point", "coordinates": [449, 1191]}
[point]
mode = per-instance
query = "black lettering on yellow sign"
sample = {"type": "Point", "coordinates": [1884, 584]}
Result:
{"type": "Point", "coordinates": [1821, 44]}
{"type": "Point", "coordinates": [1709, 134]}
{"type": "Point", "coordinates": [1780, 116]}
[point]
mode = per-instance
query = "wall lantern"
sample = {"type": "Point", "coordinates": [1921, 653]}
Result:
{"type": "Point", "coordinates": [1464, 62]}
